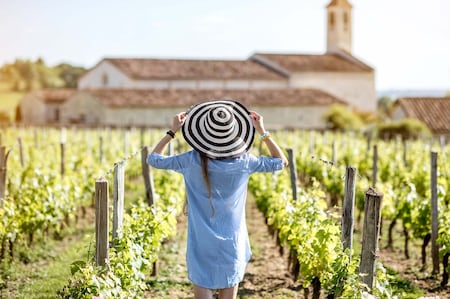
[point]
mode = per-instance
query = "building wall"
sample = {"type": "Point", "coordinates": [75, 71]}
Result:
{"type": "Point", "coordinates": [151, 117]}
{"type": "Point", "coordinates": [32, 110]}
{"type": "Point", "coordinates": [53, 112]}
{"type": "Point", "coordinates": [308, 117]}
{"type": "Point", "coordinates": [154, 84]}
{"type": "Point", "coordinates": [104, 75]}
{"type": "Point", "coordinates": [82, 108]}
{"type": "Point", "coordinates": [398, 113]}
{"type": "Point", "coordinates": [357, 89]}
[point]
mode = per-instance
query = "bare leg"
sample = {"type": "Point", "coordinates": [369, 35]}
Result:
{"type": "Point", "coordinates": [202, 293]}
{"type": "Point", "coordinates": [229, 293]}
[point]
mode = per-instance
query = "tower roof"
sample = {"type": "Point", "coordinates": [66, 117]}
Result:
{"type": "Point", "coordinates": [341, 3]}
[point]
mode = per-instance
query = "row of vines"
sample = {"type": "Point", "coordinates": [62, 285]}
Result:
{"type": "Point", "coordinates": [50, 184]}
{"type": "Point", "coordinates": [310, 225]}
{"type": "Point", "coordinates": [42, 199]}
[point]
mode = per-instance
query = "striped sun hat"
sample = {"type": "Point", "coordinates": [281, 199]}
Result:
{"type": "Point", "coordinates": [219, 129]}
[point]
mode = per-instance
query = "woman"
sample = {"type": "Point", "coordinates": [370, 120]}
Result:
{"type": "Point", "coordinates": [216, 174]}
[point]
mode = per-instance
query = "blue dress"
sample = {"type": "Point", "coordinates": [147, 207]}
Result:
{"type": "Point", "coordinates": [218, 247]}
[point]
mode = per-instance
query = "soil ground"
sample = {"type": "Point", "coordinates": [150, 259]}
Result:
{"type": "Point", "coordinates": [267, 275]}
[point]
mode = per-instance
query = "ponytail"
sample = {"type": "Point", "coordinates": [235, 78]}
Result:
{"type": "Point", "coordinates": [204, 162]}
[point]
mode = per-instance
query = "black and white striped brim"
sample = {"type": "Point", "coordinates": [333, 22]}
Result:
{"type": "Point", "coordinates": [219, 129]}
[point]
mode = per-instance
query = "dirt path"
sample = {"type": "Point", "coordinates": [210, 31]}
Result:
{"type": "Point", "coordinates": [267, 275]}
{"type": "Point", "coordinates": [410, 270]}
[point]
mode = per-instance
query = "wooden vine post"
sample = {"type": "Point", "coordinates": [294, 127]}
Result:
{"type": "Point", "coordinates": [293, 173]}
{"type": "Point", "coordinates": [101, 155]}
{"type": "Point", "coordinates": [374, 166]}
{"type": "Point", "coordinates": [434, 214]}
{"type": "Point", "coordinates": [148, 180]}
{"type": "Point", "coordinates": [293, 259]}
{"type": "Point", "coordinates": [101, 221]}
{"type": "Point", "coordinates": [126, 141]}
{"type": "Point", "coordinates": [118, 199]}
{"type": "Point", "coordinates": [22, 161]}
{"type": "Point", "coordinates": [334, 152]}
{"type": "Point", "coordinates": [3, 170]}
{"type": "Point", "coordinates": [405, 152]}
{"type": "Point", "coordinates": [369, 142]}
{"type": "Point", "coordinates": [149, 189]}
{"type": "Point", "coordinates": [371, 233]}
{"type": "Point", "coordinates": [348, 208]}
{"type": "Point", "coordinates": [63, 143]}
{"type": "Point", "coordinates": [142, 136]}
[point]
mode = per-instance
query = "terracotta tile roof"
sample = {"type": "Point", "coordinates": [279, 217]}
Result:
{"type": "Point", "coordinates": [328, 62]}
{"type": "Point", "coordinates": [434, 112]}
{"type": "Point", "coordinates": [192, 69]}
{"type": "Point", "coordinates": [187, 97]}
{"type": "Point", "coordinates": [54, 95]}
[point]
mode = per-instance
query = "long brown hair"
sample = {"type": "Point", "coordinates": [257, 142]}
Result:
{"type": "Point", "coordinates": [204, 161]}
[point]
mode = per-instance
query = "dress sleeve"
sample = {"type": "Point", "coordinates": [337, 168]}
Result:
{"type": "Point", "coordinates": [166, 162]}
{"type": "Point", "coordinates": [264, 164]}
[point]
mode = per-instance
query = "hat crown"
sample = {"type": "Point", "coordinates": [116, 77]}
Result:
{"type": "Point", "coordinates": [220, 119]}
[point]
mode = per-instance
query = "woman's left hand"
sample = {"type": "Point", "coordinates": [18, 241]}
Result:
{"type": "Point", "coordinates": [178, 121]}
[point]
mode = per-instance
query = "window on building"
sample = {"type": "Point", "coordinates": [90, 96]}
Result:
{"type": "Point", "coordinates": [345, 21]}
{"type": "Point", "coordinates": [331, 20]}
{"type": "Point", "coordinates": [105, 80]}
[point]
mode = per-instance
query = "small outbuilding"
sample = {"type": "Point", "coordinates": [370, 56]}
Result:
{"type": "Point", "coordinates": [434, 112]}
{"type": "Point", "coordinates": [43, 107]}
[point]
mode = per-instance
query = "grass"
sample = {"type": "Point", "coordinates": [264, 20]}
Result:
{"type": "Point", "coordinates": [399, 285]}
{"type": "Point", "coordinates": [40, 271]}
{"type": "Point", "coordinates": [171, 280]}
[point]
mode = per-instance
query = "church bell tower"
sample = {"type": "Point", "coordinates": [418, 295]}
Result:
{"type": "Point", "coordinates": [339, 26]}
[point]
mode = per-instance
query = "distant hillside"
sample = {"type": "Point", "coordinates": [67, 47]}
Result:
{"type": "Point", "coordinates": [397, 93]}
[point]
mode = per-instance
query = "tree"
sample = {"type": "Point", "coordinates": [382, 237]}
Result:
{"type": "Point", "coordinates": [26, 75]}
{"type": "Point", "coordinates": [18, 114]}
{"type": "Point", "coordinates": [70, 74]}
{"type": "Point", "coordinates": [385, 105]}
{"type": "Point", "coordinates": [341, 118]}
{"type": "Point", "coordinates": [405, 128]}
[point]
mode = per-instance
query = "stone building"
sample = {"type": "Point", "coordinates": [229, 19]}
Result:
{"type": "Point", "coordinates": [282, 108]}
{"type": "Point", "coordinates": [291, 89]}
{"type": "Point", "coordinates": [44, 106]}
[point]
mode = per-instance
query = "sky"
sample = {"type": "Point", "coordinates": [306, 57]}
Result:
{"type": "Point", "coordinates": [407, 42]}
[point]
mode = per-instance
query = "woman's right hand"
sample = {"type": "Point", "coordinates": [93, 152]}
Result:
{"type": "Point", "coordinates": [257, 120]}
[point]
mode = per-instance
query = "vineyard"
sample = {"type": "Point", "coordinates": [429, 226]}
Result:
{"type": "Point", "coordinates": [51, 180]}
